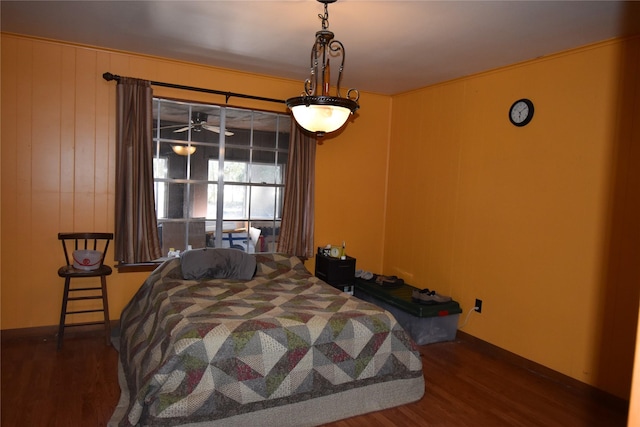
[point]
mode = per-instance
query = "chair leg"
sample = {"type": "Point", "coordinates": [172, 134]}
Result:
{"type": "Point", "coordinates": [105, 305]}
{"type": "Point", "coordinates": [63, 312]}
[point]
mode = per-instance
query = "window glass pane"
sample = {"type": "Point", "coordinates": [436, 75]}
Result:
{"type": "Point", "coordinates": [174, 196]}
{"type": "Point", "coordinates": [181, 164]}
{"type": "Point", "coordinates": [212, 173]}
{"type": "Point", "coordinates": [205, 124]}
{"type": "Point", "coordinates": [212, 201]}
{"type": "Point", "coordinates": [176, 163]}
{"type": "Point", "coordinates": [263, 202]}
{"type": "Point", "coordinates": [236, 171]}
{"type": "Point", "coordinates": [239, 121]}
{"type": "Point", "coordinates": [271, 130]}
{"type": "Point", "coordinates": [209, 152]}
{"type": "Point", "coordinates": [235, 154]}
{"type": "Point", "coordinates": [189, 200]}
{"type": "Point", "coordinates": [235, 202]}
{"type": "Point", "coordinates": [170, 118]}
{"type": "Point", "coordinates": [265, 130]}
{"type": "Point", "coordinates": [199, 200]}
{"type": "Point", "coordinates": [160, 171]}
{"type": "Point", "coordinates": [178, 235]}
{"type": "Point", "coordinates": [282, 157]}
{"type": "Point", "coordinates": [264, 157]}
{"type": "Point", "coordinates": [199, 165]}
{"type": "Point", "coordinates": [210, 234]}
{"type": "Point", "coordinates": [160, 167]}
{"type": "Point", "coordinates": [269, 232]}
{"type": "Point", "coordinates": [284, 129]}
{"type": "Point", "coordinates": [279, 200]}
{"type": "Point", "coordinates": [265, 174]}
{"type": "Point", "coordinates": [264, 169]}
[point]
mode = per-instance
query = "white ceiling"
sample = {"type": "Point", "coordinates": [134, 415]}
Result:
{"type": "Point", "coordinates": [391, 46]}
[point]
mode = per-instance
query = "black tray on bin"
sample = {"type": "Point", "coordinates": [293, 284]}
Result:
{"type": "Point", "coordinates": [400, 297]}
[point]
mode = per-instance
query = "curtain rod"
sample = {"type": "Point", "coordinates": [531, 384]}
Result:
{"type": "Point", "coordinates": [108, 77]}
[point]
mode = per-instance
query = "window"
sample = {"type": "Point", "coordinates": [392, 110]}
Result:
{"type": "Point", "coordinates": [160, 172]}
{"type": "Point", "coordinates": [219, 175]}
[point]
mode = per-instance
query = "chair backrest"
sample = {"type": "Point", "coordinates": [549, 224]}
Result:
{"type": "Point", "coordinates": [85, 241]}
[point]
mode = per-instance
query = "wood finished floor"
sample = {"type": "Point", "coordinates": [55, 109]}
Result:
{"type": "Point", "coordinates": [466, 386]}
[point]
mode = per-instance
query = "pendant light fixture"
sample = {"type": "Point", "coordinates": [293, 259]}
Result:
{"type": "Point", "coordinates": [316, 110]}
{"type": "Point", "coordinates": [183, 150]}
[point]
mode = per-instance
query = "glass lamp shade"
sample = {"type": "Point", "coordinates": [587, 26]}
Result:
{"type": "Point", "coordinates": [321, 114]}
{"type": "Point", "coordinates": [183, 150]}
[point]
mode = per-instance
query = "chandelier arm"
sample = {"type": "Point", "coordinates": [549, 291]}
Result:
{"type": "Point", "coordinates": [357, 95]}
{"type": "Point", "coordinates": [308, 88]}
{"type": "Point", "coordinates": [313, 72]}
{"type": "Point", "coordinates": [322, 50]}
{"type": "Point", "coordinates": [325, 83]}
{"type": "Point", "coordinates": [338, 48]}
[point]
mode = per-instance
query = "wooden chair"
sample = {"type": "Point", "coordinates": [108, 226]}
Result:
{"type": "Point", "coordinates": [84, 268]}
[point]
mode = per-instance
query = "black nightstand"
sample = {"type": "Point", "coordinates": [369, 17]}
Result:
{"type": "Point", "coordinates": [339, 273]}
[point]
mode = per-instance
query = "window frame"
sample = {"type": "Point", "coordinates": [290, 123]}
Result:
{"type": "Point", "coordinates": [280, 155]}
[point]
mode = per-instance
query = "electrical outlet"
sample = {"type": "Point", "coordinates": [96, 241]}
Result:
{"type": "Point", "coordinates": [478, 305]}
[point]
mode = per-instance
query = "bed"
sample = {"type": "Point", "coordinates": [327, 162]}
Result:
{"type": "Point", "coordinates": [278, 348]}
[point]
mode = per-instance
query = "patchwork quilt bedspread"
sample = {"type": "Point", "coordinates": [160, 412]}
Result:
{"type": "Point", "coordinates": [196, 350]}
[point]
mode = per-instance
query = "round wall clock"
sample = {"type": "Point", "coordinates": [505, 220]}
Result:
{"type": "Point", "coordinates": [521, 112]}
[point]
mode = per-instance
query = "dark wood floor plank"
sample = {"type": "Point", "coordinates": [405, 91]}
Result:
{"type": "Point", "coordinates": [76, 386]}
{"type": "Point", "coordinates": [466, 385]}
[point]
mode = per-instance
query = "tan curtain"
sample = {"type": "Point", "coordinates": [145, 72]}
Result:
{"type": "Point", "coordinates": [136, 229]}
{"type": "Point", "coordinates": [296, 231]}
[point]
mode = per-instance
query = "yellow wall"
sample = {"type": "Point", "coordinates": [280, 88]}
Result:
{"type": "Point", "coordinates": [58, 125]}
{"type": "Point", "coordinates": [433, 185]}
{"type": "Point", "coordinates": [351, 180]}
{"type": "Point", "coordinates": [539, 222]}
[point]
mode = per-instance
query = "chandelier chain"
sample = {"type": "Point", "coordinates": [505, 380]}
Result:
{"type": "Point", "coordinates": [325, 17]}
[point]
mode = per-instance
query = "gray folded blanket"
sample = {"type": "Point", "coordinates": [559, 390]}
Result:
{"type": "Point", "coordinates": [220, 263]}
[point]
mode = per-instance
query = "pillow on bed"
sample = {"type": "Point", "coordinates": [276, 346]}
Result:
{"type": "Point", "coordinates": [219, 263]}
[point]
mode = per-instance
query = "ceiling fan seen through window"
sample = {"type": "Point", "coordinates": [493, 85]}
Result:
{"type": "Point", "coordinates": [196, 124]}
